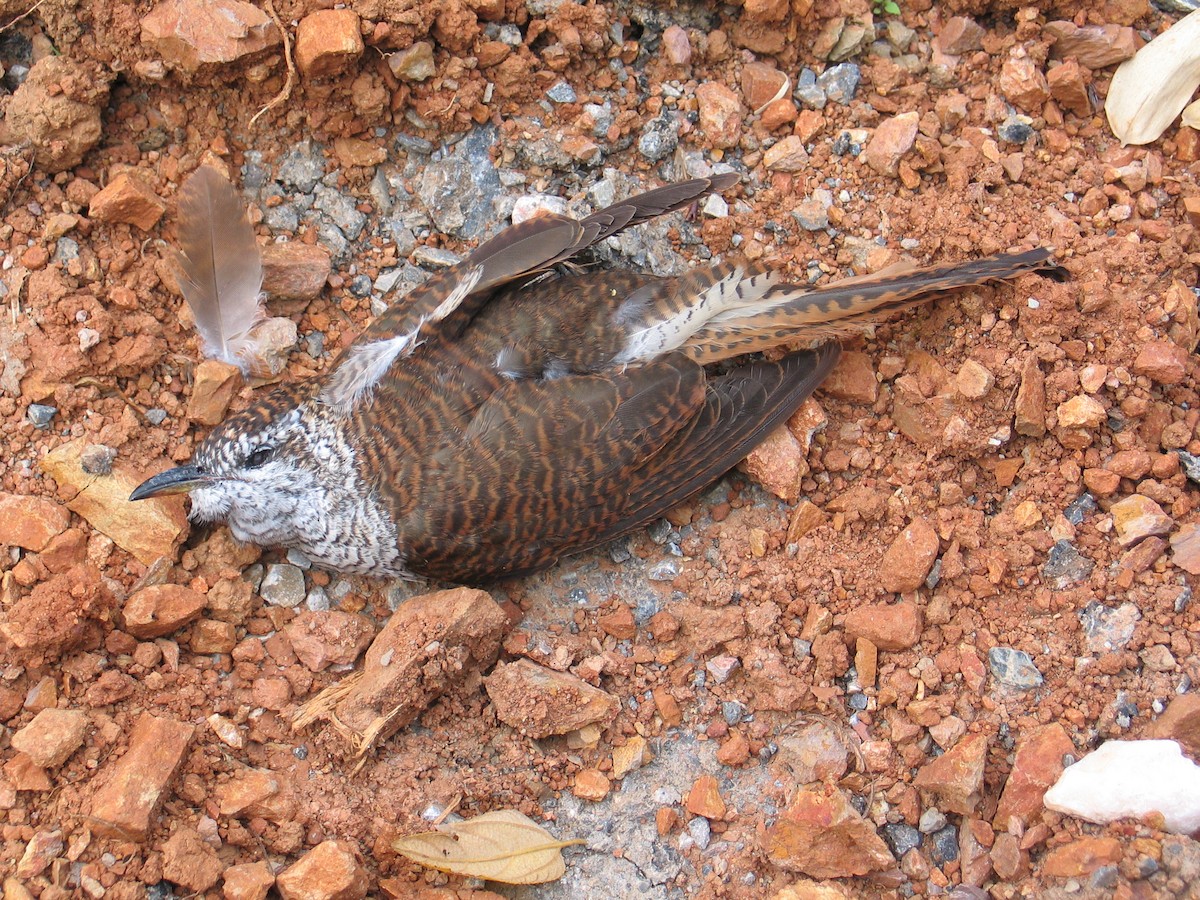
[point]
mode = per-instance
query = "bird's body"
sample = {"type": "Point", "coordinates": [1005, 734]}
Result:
{"type": "Point", "coordinates": [503, 416]}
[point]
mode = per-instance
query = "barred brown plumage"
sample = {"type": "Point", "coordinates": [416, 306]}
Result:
{"type": "Point", "coordinates": [504, 415]}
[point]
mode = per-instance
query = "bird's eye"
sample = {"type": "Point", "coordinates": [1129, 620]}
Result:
{"type": "Point", "coordinates": [259, 457]}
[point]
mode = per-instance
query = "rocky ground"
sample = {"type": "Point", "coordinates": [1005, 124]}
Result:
{"type": "Point", "coordinates": [851, 669]}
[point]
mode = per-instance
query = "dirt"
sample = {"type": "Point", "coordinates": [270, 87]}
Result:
{"type": "Point", "coordinates": [752, 585]}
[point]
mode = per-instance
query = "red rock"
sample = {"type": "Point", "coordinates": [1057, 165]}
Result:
{"type": "Point", "coordinates": [60, 614]}
{"type": "Point", "coordinates": [973, 380]}
{"type": "Point", "coordinates": [352, 152]}
{"type": "Point", "coordinates": [892, 139]}
{"type": "Point", "coordinates": [214, 386]}
{"type": "Point", "coordinates": [30, 522]}
{"type": "Point", "coordinates": [619, 623]}
{"type": "Point", "coordinates": [328, 41]}
{"type": "Point", "coordinates": [852, 379]}
{"type": "Point", "coordinates": [909, 559]}
{"type": "Point", "coordinates": [1185, 548]}
{"type": "Point", "coordinates": [65, 551]}
{"type": "Point", "coordinates": [295, 271]}
{"type": "Point", "coordinates": [1137, 517]}
{"type": "Point", "coordinates": [770, 683]}
{"type": "Point", "coordinates": [668, 707]}
{"type": "Point", "coordinates": [889, 626]}
{"type": "Point", "coordinates": [56, 111]}
{"type": "Point", "coordinates": [721, 114]}
{"type": "Point", "coordinates": [591, 784]}
{"type": "Point", "coordinates": [1163, 362]}
{"type": "Point", "coordinates": [329, 871]}
{"type": "Point", "coordinates": [1081, 411]}
{"type": "Point", "coordinates": [43, 848]}
{"type": "Point", "coordinates": [1007, 859]}
{"type": "Point", "coordinates": [778, 464]}
{"type": "Point", "coordinates": [1023, 83]}
{"type": "Point", "coordinates": [787, 155]}
{"type": "Point", "coordinates": [1069, 87]}
{"type": "Point", "coordinates": [823, 836]}
{"type": "Point", "coordinates": [190, 34]}
{"type": "Point", "coordinates": [52, 736]}
{"type": "Point", "coordinates": [761, 83]}
{"type": "Point", "coordinates": [329, 637]}
{"type": "Point", "coordinates": [271, 692]}
{"type": "Point", "coordinates": [1036, 767]}
{"type": "Point", "coordinates": [1101, 482]}
{"type": "Point", "coordinates": [665, 819]}
{"type": "Point", "coordinates": [161, 609]}
{"type": "Point", "coordinates": [428, 644]}
{"type": "Point", "coordinates": [959, 35]}
{"type": "Point", "coordinates": [1180, 722]}
{"type": "Point", "coordinates": [1129, 463]}
{"type": "Point", "coordinates": [257, 793]}
{"type": "Point", "coordinates": [767, 10]}
{"type": "Point", "coordinates": [1030, 406]}
{"type": "Point", "coordinates": [735, 751]}
{"type": "Point", "coordinates": [248, 881]}
{"type": "Point", "coordinates": [21, 774]}
{"type": "Point", "coordinates": [778, 113]}
{"type": "Point", "coordinates": [956, 777]}
{"type": "Point", "coordinates": [1094, 46]}
{"type": "Point", "coordinates": [540, 702]}
{"type": "Point", "coordinates": [123, 806]}
{"type": "Point", "coordinates": [210, 636]}
{"type": "Point", "coordinates": [190, 862]}
{"type": "Point", "coordinates": [128, 200]}
{"type": "Point", "coordinates": [704, 799]}
{"type": "Point", "coordinates": [676, 46]}
{"type": "Point", "coordinates": [1081, 857]}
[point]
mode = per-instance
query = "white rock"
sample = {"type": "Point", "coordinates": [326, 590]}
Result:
{"type": "Point", "coordinates": [1128, 780]}
{"type": "Point", "coordinates": [532, 205]}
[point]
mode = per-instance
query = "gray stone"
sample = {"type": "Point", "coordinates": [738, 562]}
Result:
{"type": "Point", "coordinates": [665, 570]}
{"type": "Point", "coordinates": [1080, 508]}
{"type": "Point", "coordinates": [931, 820]}
{"type": "Point", "coordinates": [1015, 130]}
{"type": "Point", "coordinates": [1191, 465]}
{"type": "Point", "coordinates": [1014, 668]}
{"type": "Point", "coordinates": [700, 831]}
{"type": "Point", "coordinates": [302, 166]}
{"type": "Point", "coordinates": [97, 459]}
{"type": "Point", "coordinates": [561, 92]}
{"type": "Point", "coordinates": [317, 600]}
{"type": "Point", "coordinates": [659, 138]}
{"type": "Point", "coordinates": [942, 845]}
{"type": "Point", "coordinates": [40, 414]}
{"type": "Point", "coordinates": [807, 91]}
{"type": "Point", "coordinates": [1108, 628]}
{"type": "Point", "coordinates": [840, 83]}
{"type": "Point", "coordinates": [1066, 566]}
{"type": "Point", "coordinates": [156, 416]}
{"type": "Point", "coordinates": [282, 585]}
{"type": "Point", "coordinates": [602, 116]}
{"type": "Point", "coordinates": [65, 250]}
{"type": "Point", "coordinates": [342, 210]}
{"type": "Point", "coordinates": [435, 257]}
{"type": "Point", "coordinates": [901, 838]}
{"type": "Point", "coordinates": [457, 191]}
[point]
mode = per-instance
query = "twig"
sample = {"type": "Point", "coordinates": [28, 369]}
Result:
{"type": "Point", "coordinates": [23, 15]}
{"type": "Point", "coordinates": [286, 92]}
{"type": "Point", "coordinates": [114, 390]}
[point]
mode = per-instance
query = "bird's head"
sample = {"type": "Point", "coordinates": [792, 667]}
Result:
{"type": "Point", "coordinates": [257, 472]}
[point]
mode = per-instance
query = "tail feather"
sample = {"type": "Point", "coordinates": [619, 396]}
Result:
{"type": "Point", "coordinates": [724, 312]}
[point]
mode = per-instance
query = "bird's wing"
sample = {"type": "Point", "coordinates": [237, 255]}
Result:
{"type": "Point", "coordinates": [551, 467]}
{"type": "Point", "coordinates": [528, 248]}
{"type": "Point", "coordinates": [446, 303]}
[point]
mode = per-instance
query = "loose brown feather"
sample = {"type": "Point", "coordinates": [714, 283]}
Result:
{"type": "Point", "coordinates": [222, 266]}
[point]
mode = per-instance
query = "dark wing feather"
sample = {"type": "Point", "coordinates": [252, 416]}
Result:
{"type": "Point", "coordinates": [526, 249]}
{"type": "Point", "coordinates": [742, 407]}
{"type": "Point", "coordinates": [548, 468]}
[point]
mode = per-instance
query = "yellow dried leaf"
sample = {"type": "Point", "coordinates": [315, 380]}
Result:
{"type": "Point", "coordinates": [1149, 91]}
{"type": "Point", "coordinates": [503, 845]}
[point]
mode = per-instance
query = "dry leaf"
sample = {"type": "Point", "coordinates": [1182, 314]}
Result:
{"type": "Point", "coordinates": [1150, 90]}
{"type": "Point", "coordinates": [503, 845]}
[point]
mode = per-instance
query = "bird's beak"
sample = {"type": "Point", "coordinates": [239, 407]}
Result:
{"type": "Point", "coordinates": [179, 480]}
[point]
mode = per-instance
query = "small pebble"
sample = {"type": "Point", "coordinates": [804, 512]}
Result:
{"type": "Point", "coordinates": [282, 585]}
{"type": "Point", "coordinates": [1014, 667]}
{"type": "Point", "coordinates": [700, 832]}
{"type": "Point", "coordinates": [40, 414]}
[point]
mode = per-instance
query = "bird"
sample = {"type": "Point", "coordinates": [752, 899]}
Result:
{"type": "Point", "coordinates": [517, 408]}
